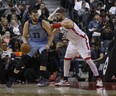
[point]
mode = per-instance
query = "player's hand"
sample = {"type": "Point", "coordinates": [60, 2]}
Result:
{"type": "Point", "coordinates": [47, 47]}
{"type": "Point", "coordinates": [51, 25]}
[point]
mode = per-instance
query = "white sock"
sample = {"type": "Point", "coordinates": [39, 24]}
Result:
{"type": "Point", "coordinates": [66, 67]}
{"type": "Point", "coordinates": [92, 67]}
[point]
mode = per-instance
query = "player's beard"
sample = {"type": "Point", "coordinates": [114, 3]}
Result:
{"type": "Point", "coordinates": [59, 19]}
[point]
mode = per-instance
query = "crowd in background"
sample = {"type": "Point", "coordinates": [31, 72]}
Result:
{"type": "Point", "coordinates": [97, 18]}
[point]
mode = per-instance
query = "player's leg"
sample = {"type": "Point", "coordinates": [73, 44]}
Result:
{"type": "Point", "coordinates": [20, 65]}
{"type": "Point", "coordinates": [70, 53]}
{"type": "Point", "coordinates": [43, 66]}
{"type": "Point", "coordinates": [84, 51]}
{"type": "Point", "coordinates": [25, 58]}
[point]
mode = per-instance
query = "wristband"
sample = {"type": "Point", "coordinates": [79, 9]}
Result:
{"type": "Point", "coordinates": [56, 25]}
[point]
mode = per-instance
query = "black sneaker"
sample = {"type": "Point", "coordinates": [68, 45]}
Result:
{"type": "Point", "coordinates": [10, 82]}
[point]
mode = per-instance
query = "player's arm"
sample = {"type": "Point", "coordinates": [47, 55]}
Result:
{"type": "Point", "coordinates": [47, 27]}
{"type": "Point", "coordinates": [56, 30]}
{"type": "Point", "coordinates": [66, 23]}
{"type": "Point", "coordinates": [24, 38]}
{"type": "Point", "coordinates": [25, 32]}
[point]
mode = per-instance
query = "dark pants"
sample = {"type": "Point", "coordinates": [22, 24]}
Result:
{"type": "Point", "coordinates": [30, 75]}
{"type": "Point", "coordinates": [3, 78]}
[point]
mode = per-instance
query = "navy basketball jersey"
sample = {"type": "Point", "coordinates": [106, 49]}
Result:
{"type": "Point", "coordinates": [37, 32]}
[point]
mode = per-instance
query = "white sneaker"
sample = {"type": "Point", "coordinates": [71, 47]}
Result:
{"type": "Point", "coordinates": [99, 83]}
{"type": "Point", "coordinates": [62, 82]}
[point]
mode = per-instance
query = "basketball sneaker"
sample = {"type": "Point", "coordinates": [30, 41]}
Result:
{"type": "Point", "coordinates": [62, 83]}
{"type": "Point", "coordinates": [10, 82]}
{"type": "Point", "coordinates": [99, 83]}
{"type": "Point", "coordinates": [43, 82]}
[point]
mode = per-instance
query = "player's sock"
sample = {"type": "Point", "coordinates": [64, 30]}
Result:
{"type": "Point", "coordinates": [97, 77]}
{"type": "Point", "coordinates": [66, 68]}
{"type": "Point", "coordinates": [65, 78]}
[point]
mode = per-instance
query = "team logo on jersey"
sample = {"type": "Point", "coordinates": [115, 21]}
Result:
{"type": "Point", "coordinates": [64, 30]}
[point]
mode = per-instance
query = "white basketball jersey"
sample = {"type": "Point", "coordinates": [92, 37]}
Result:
{"type": "Point", "coordinates": [74, 34]}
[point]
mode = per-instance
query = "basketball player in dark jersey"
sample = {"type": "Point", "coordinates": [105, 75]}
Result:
{"type": "Point", "coordinates": [38, 34]}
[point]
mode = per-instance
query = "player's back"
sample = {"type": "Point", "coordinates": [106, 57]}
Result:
{"type": "Point", "coordinates": [74, 34]}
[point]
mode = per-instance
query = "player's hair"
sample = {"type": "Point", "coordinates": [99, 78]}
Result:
{"type": "Point", "coordinates": [61, 10]}
{"type": "Point", "coordinates": [32, 10]}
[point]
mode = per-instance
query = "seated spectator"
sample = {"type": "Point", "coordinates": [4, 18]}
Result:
{"type": "Point", "coordinates": [107, 36]}
{"type": "Point", "coordinates": [4, 27]}
{"type": "Point", "coordinates": [103, 13]}
{"type": "Point", "coordinates": [7, 37]}
{"type": "Point", "coordinates": [114, 24]}
{"type": "Point", "coordinates": [1, 4]}
{"type": "Point", "coordinates": [99, 7]}
{"type": "Point", "coordinates": [78, 5]}
{"type": "Point", "coordinates": [38, 4]}
{"type": "Point", "coordinates": [16, 28]}
{"type": "Point", "coordinates": [20, 8]}
{"type": "Point", "coordinates": [106, 21]}
{"type": "Point", "coordinates": [94, 3]}
{"type": "Point", "coordinates": [6, 55]}
{"type": "Point", "coordinates": [94, 26]}
{"type": "Point", "coordinates": [109, 4]}
{"type": "Point", "coordinates": [43, 12]}
{"type": "Point", "coordinates": [82, 13]}
{"type": "Point", "coordinates": [25, 15]}
{"type": "Point", "coordinates": [112, 10]}
{"type": "Point", "coordinates": [10, 8]}
{"type": "Point", "coordinates": [85, 20]}
{"type": "Point", "coordinates": [83, 9]}
{"type": "Point", "coordinates": [53, 66]}
{"type": "Point", "coordinates": [92, 14]}
{"type": "Point", "coordinates": [15, 44]}
{"type": "Point", "coordinates": [15, 17]}
{"type": "Point", "coordinates": [97, 53]}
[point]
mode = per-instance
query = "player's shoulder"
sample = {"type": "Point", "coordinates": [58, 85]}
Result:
{"type": "Point", "coordinates": [67, 23]}
{"type": "Point", "coordinates": [45, 23]}
{"type": "Point", "coordinates": [67, 20]}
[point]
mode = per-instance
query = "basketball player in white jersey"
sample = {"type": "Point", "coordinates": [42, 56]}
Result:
{"type": "Point", "coordinates": [78, 44]}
